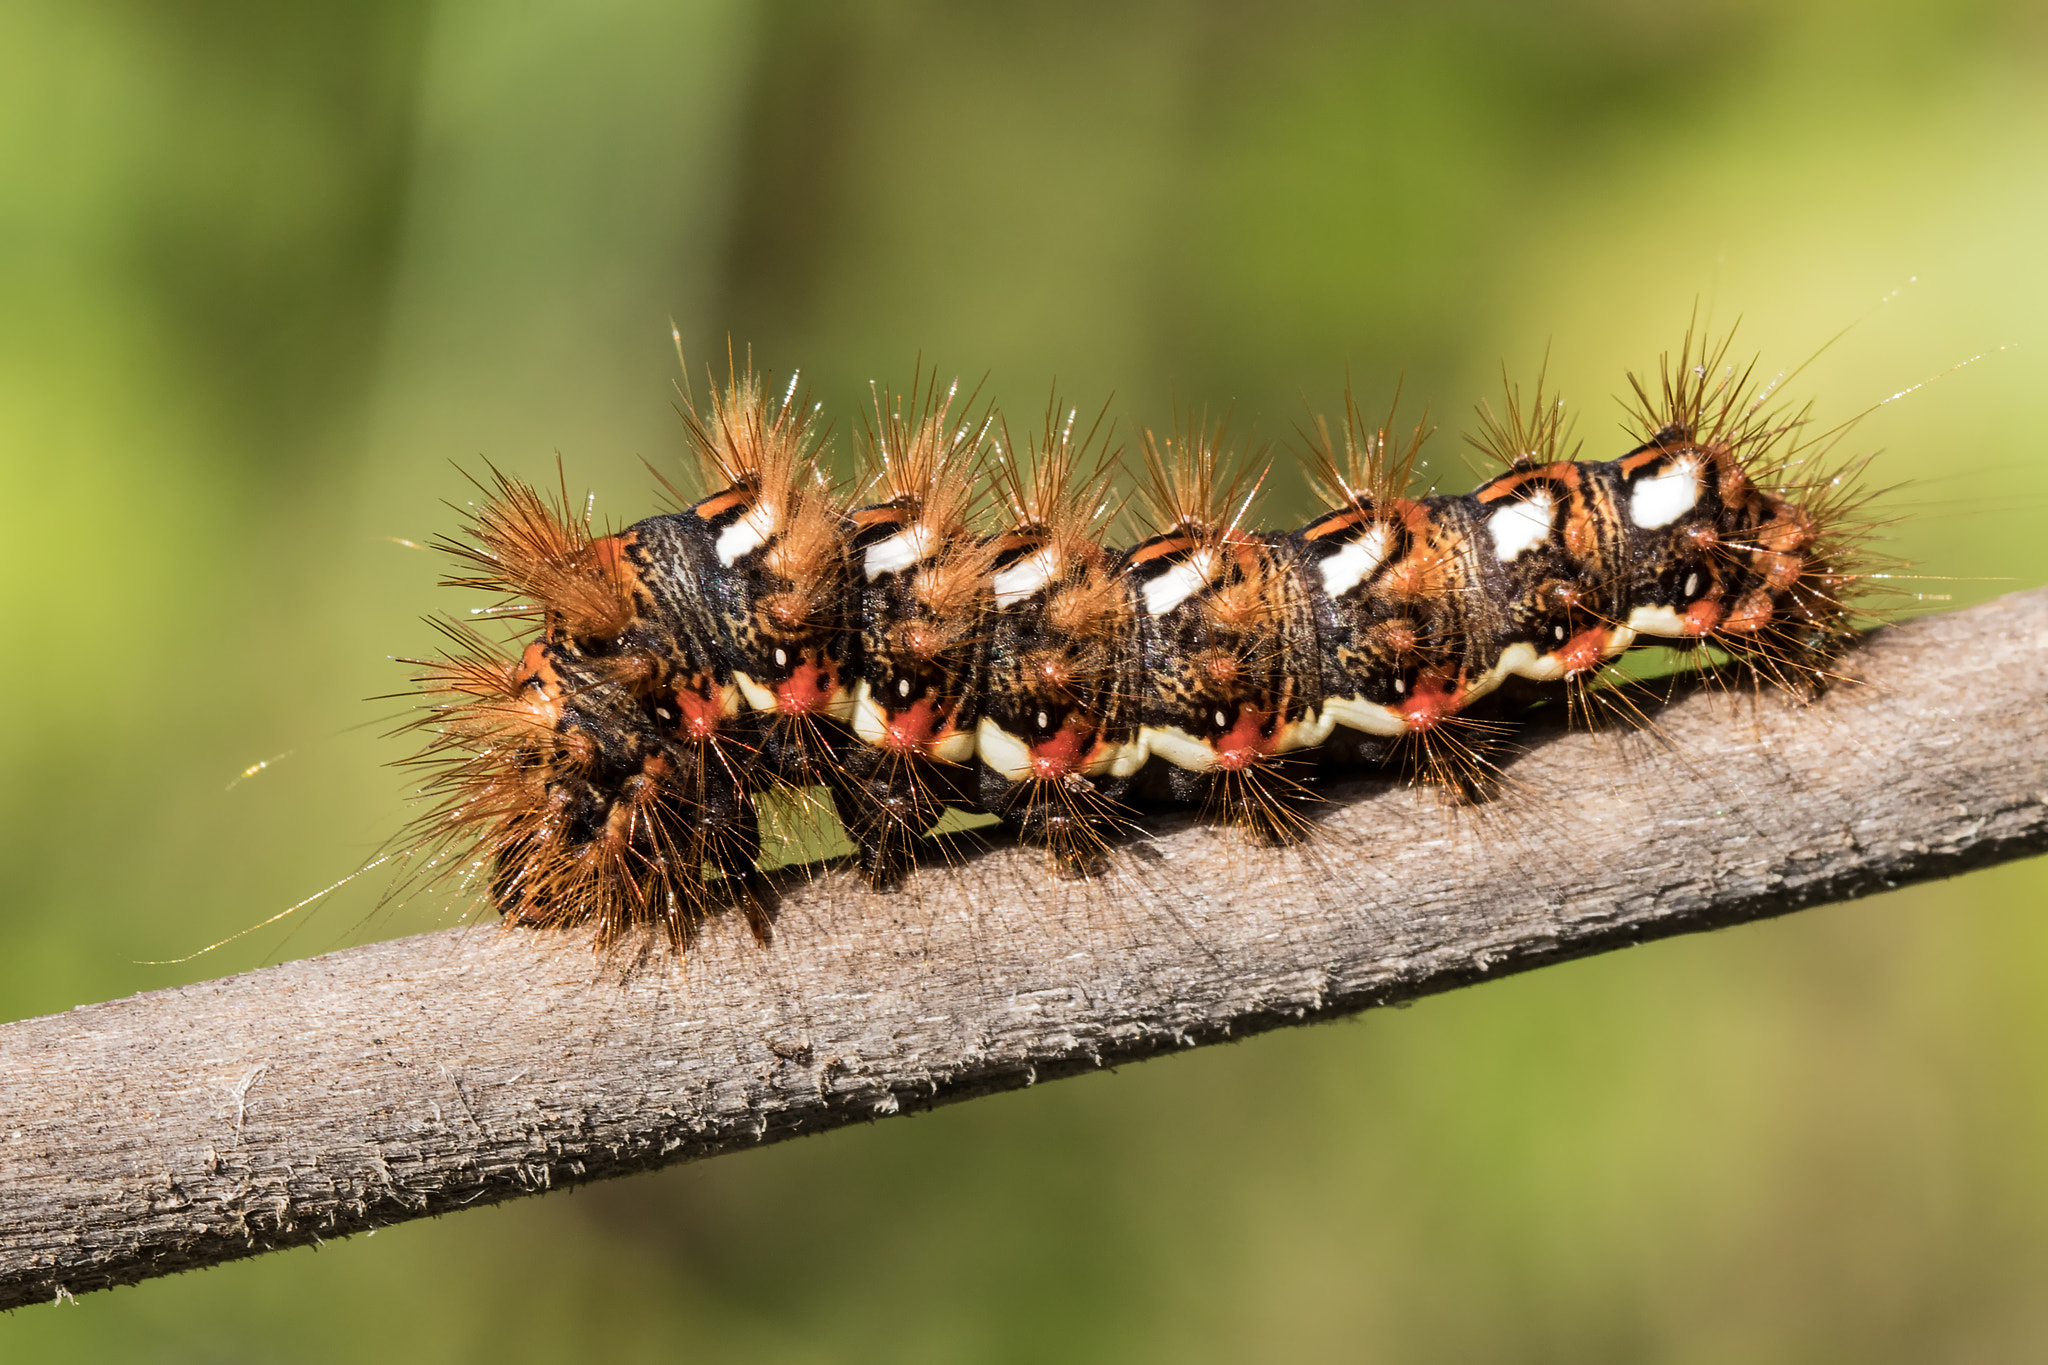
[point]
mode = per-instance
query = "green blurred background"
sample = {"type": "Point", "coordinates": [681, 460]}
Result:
{"type": "Point", "coordinates": [266, 271]}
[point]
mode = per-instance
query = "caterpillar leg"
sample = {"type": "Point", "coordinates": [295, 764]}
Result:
{"type": "Point", "coordinates": [1267, 801]}
{"type": "Point", "coordinates": [887, 810]}
{"type": "Point", "coordinates": [1072, 819]}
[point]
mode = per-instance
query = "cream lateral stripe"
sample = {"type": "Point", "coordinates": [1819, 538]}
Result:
{"type": "Point", "coordinates": [1486, 682]}
{"type": "Point", "coordinates": [758, 697]}
{"type": "Point", "coordinates": [870, 725]}
{"type": "Point", "coordinates": [1179, 748]}
{"type": "Point", "coordinates": [1104, 759]}
{"type": "Point", "coordinates": [1125, 759]}
{"type": "Point", "coordinates": [1660, 621]}
{"type": "Point", "coordinates": [1366, 717]}
{"type": "Point", "coordinates": [1002, 751]}
{"type": "Point", "coordinates": [1306, 733]}
{"type": "Point", "coordinates": [1522, 660]}
{"type": "Point", "coordinates": [957, 747]}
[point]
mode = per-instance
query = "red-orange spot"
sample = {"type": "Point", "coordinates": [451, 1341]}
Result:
{"type": "Point", "coordinates": [1583, 651]}
{"type": "Point", "coordinates": [1433, 697]}
{"type": "Point", "coordinates": [1246, 742]}
{"type": "Point", "coordinates": [916, 727]}
{"type": "Point", "coordinates": [703, 711]}
{"type": "Point", "coordinates": [1702, 616]}
{"type": "Point", "coordinates": [807, 689]}
{"type": "Point", "coordinates": [1064, 752]}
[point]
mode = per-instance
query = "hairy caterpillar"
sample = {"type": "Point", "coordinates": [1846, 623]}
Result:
{"type": "Point", "coordinates": [905, 651]}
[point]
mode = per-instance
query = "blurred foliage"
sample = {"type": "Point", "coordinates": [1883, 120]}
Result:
{"type": "Point", "coordinates": [267, 273]}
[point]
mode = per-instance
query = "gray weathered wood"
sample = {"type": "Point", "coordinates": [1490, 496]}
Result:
{"type": "Point", "coordinates": [186, 1127]}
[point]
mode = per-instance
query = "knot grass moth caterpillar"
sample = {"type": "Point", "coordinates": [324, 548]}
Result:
{"type": "Point", "coordinates": [956, 631]}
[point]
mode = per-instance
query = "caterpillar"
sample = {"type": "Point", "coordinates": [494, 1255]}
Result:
{"type": "Point", "coordinates": [954, 634]}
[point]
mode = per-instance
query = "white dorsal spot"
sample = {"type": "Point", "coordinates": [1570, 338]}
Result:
{"type": "Point", "coordinates": [1357, 560]}
{"type": "Point", "coordinates": [1025, 577]}
{"type": "Point", "coordinates": [1692, 585]}
{"type": "Point", "coordinates": [748, 534]}
{"type": "Point", "coordinates": [913, 545]}
{"type": "Point", "coordinates": [1663, 498]}
{"type": "Point", "coordinates": [1658, 621]}
{"type": "Point", "coordinates": [1522, 526]}
{"type": "Point", "coordinates": [903, 687]}
{"type": "Point", "coordinates": [1180, 582]}
{"type": "Point", "coordinates": [781, 658]}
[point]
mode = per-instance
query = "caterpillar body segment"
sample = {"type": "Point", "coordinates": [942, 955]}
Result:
{"type": "Point", "coordinates": [1059, 731]}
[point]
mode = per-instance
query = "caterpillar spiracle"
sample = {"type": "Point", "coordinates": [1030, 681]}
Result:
{"type": "Point", "coordinates": [955, 634]}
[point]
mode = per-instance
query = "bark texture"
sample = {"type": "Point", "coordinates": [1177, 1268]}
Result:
{"type": "Point", "coordinates": [186, 1127]}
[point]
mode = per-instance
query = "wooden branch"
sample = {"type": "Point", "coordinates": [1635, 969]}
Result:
{"type": "Point", "coordinates": [191, 1126]}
